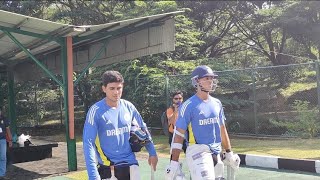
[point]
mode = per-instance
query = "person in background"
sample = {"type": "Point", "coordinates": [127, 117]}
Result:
{"type": "Point", "coordinates": [5, 135]}
{"type": "Point", "coordinates": [172, 115]}
{"type": "Point", "coordinates": [121, 132]}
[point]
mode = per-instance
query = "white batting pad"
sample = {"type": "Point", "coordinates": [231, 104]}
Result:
{"type": "Point", "coordinates": [200, 163]}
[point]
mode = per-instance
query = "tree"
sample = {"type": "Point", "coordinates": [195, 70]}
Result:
{"type": "Point", "coordinates": [261, 27]}
{"type": "Point", "coordinates": [215, 23]}
{"type": "Point", "coordinates": [29, 8]}
{"type": "Point", "coordinates": [302, 22]}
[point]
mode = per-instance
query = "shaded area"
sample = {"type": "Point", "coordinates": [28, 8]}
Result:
{"type": "Point", "coordinates": [49, 167]}
{"type": "Point", "coordinates": [32, 151]}
{"type": "Point", "coordinates": [16, 173]}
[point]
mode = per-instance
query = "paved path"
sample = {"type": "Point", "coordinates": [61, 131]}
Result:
{"type": "Point", "coordinates": [57, 165]}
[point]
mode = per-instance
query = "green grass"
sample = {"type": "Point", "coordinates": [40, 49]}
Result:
{"type": "Point", "coordinates": [291, 148]}
{"type": "Point", "coordinates": [297, 87]}
{"type": "Point", "coordinates": [296, 148]}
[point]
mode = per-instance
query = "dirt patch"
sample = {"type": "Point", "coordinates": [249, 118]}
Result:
{"type": "Point", "coordinates": [47, 167]}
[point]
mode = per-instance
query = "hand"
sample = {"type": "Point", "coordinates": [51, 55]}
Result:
{"type": "Point", "coordinates": [175, 107]}
{"type": "Point", "coordinates": [232, 160]}
{"type": "Point", "coordinates": [10, 144]}
{"type": "Point", "coordinates": [172, 170]}
{"type": "Point", "coordinates": [153, 161]}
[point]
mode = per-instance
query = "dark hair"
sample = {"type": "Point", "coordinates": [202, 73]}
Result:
{"type": "Point", "coordinates": [176, 93]}
{"type": "Point", "coordinates": [111, 77]}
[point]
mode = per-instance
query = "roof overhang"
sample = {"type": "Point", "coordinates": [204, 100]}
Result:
{"type": "Point", "coordinates": [40, 36]}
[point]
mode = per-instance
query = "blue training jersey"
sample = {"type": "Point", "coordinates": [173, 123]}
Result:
{"type": "Point", "coordinates": [202, 121]}
{"type": "Point", "coordinates": [112, 126]}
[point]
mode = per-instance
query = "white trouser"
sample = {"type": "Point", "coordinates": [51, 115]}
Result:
{"type": "Point", "coordinates": [134, 173]}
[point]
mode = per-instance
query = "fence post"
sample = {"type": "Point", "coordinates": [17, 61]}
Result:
{"type": "Point", "coordinates": [61, 106]}
{"type": "Point", "coordinates": [318, 83]}
{"type": "Point", "coordinates": [253, 71]}
{"type": "Point", "coordinates": [167, 90]}
{"type": "Point", "coordinates": [1, 92]}
{"type": "Point", "coordinates": [36, 106]}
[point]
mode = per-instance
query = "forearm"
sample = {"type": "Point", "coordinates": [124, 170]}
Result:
{"type": "Point", "coordinates": [225, 138]}
{"type": "Point", "coordinates": [9, 134]}
{"type": "Point", "coordinates": [89, 151]}
{"type": "Point", "coordinates": [172, 117]}
{"type": "Point", "coordinates": [151, 149]}
{"type": "Point", "coordinates": [89, 154]}
{"type": "Point", "coordinates": [176, 152]}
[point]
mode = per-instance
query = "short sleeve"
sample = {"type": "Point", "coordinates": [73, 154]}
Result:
{"type": "Point", "coordinates": [222, 117]}
{"type": "Point", "coordinates": [184, 117]}
{"type": "Point", "coordinates": [7, 122]}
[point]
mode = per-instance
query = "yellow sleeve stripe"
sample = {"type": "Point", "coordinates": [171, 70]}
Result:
{"type": "Point", "coordinates": [191, 136]}
{"type": "Point", "coordinates": [104, 158]}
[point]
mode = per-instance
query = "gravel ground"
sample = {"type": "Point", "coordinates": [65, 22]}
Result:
{"type": "Point", "coordinates": [50, 167]}
{"type": "Point", "coordinates": [57, 165]}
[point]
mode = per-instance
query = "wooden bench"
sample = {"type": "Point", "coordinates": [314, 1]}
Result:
{"type": "Point", "coordinates": [38, 150]}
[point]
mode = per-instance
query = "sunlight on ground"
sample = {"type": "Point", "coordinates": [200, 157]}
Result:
{"type": "Point", "coordinates": [292, 148]}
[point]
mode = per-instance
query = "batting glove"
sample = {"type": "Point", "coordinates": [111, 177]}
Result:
{"type": "Point", "coordinates": [232, 160]}
{"type": "Point", "coordinates": [172, 170]}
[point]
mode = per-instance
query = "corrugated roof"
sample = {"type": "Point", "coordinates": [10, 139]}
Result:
{"type": "Point", "coordinates": [37, 34]}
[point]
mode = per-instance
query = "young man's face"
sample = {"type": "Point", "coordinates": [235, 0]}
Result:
{"type": "Point", "coordinates": [177, 99]}
{"type": "Point", "coordinates": [208, 83]}
{"type": "Point", "coordinates": [113, 91]}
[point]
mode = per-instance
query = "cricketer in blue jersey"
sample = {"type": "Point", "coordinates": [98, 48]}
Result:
{"type": "Point", "coordinates": [201, 122]}
{"type": "Point", "coordinates": [108, 131]}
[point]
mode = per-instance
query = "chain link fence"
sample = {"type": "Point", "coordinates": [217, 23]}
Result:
{"type": "Point", "coordinates": [38, 103]}
{"type": "Point", "coordinates": [268, 101]}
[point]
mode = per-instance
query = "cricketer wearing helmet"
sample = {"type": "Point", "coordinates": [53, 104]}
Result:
{"type": "Point", "coordinates": [201, 123]}
{"type": "Point", "coordinates": [120, 131]}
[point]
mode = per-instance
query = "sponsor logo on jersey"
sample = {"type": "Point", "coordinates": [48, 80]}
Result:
{"type": "Point", "coordinates": [104, 117]}
{"type": "Point", "coordinates": [118, 131]}
{"type": "Point", "coordinates": [201, 112]}
{"type": "Point", "coordinates": [127, 117]}
{"type": "Point", "coordinates": [203, 122]}
{"type": "Point", "coordinates": [108, 121]}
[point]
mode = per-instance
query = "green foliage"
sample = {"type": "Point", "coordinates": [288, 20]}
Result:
{"type": "Point", "coordinates": [187, 39]}
{"type": "Point", "coordinates": [30, 8]}
{"type": "Point", "coordinates": [306, 124]}
{"type": "Point", "coordinates": [178, 67]}
{"type": "Point", "coordinates": [147, 8]}
{"type": "Point", "coordinates": [37, 101]}
{"type": "Point", "coordinates": [296, 87]}
{"type": "Point", "coordinates": [224, 35]}
{"type": "Point", "coordinates": [301, 18]}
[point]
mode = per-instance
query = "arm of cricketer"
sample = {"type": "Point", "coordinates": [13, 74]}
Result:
{"type": "Point", "coordinates": [232, 160]}
{"type": "Point", "coordinates": [174, 169]}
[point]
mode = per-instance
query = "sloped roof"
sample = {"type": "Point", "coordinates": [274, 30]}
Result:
{"type": "Point", "coordinates": [38, 35]}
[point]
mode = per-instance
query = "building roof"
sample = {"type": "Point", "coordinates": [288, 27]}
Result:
{"type": "Point", "coordinates": [38, 35]}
